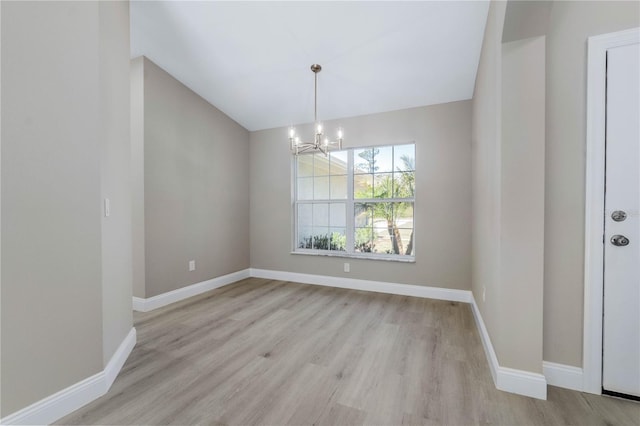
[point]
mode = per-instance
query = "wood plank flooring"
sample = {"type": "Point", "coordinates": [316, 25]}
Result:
{"type": "Point", "coordinates": [264, 352]}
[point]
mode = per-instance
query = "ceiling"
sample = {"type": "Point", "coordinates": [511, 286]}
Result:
{"type": "Point", "coordinates": [252, 59]}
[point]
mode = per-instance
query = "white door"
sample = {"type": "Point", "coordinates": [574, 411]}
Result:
{"type": "Point", "coordinates": [621, 322]}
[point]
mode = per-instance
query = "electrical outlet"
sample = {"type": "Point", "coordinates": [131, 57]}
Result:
{"type": "Point", "coordinates": [192, 265]}
{"type": "Point", "coordinates": [484, 293]}
{"type": "Point", "coordinates": [347, 267]}
{"type": "Point", "coordinates": [107, 207]}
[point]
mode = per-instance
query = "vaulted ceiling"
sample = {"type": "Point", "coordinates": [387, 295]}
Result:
{"type": "Point", "coordinates": [252, 59]}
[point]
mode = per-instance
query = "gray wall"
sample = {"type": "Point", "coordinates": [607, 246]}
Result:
{"type": "Point", "coordinates": [51, 233]}
{"type": "Point", "coordinates": [486, 173]}
{"type": "Point", "coordinates": [526, 19]}
{"type": "Point", "coordinates": [115, 159]}
{"type": "Point", "coordinates": [508, 193]}
{"type": "Point", "coordinates": [570, 25]}
{"type": "Point", "coordinates": [522, 204]}
{"type": "Point", "coordinates": [66, 276]}
{"type": "Point", "coordinates": [196, 186]}
{"type": "Point", "coordinates": [137, 175]}
{"type": "Point", "coordinates": [443, 199]}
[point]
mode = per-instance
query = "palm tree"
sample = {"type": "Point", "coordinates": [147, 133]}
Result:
{"type": "Point", "coordinates": [388, 188]}
{"type": "Point", "coordinates": [407, 186]}
{"type": "Point", "coordinates": [389, 211]}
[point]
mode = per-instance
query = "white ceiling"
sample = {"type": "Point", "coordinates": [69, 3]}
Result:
{"type": "Point", "coordinates": [252, 59]}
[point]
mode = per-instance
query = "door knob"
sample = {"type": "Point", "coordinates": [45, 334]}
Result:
{"type": "Point", "coordinates": [619, 215]}
{"type": "Point", "coordinates": [619, 240]}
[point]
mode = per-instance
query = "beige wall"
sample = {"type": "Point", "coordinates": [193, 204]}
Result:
{"type": "Point", "coordinates": [486, 165]}
{"type": "Point", "coordinates": [115, 160]}
{"type": "Point", "coordinates": [137, 175]}
{"type": "Point", "coordinates": [66, 281]}
{"type": "Point", "coordinates": [571, 23]}
{"type": "Point", "coordinates": [51, 234]}
{"type": "Point", "coordinates": [522, 204]}
{"type": "Point", "coordinates": [568, 27]}
{"type": "Point", "coordinates": [525, 19]}
{"type": "Point", "coordinates": [443, 198]}
{"type": "Point", "coordinates": [196, 186]}
{"type": "Point", "coordinates": [508, 193]}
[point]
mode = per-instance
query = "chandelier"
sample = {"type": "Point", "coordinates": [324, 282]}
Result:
{"type": "Point", "coordinates": [320, 142]}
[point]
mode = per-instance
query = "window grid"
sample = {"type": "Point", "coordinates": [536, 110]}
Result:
{"type": "Point", "coordinates": [391, 206]}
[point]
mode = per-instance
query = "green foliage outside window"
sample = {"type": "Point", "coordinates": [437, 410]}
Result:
{"type": "Point", "coordinates": [335, 241]}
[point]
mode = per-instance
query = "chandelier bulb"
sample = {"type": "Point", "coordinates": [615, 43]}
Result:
{"type": "Point", "coordinates": [292, 132]}
{"type": "Point", "coordinates": [319, 128]}
{"type": "Point", "coordinates": [340, 133]}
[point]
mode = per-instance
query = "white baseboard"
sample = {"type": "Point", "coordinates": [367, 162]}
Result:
{"type": "Point", "coordinates": [164, 299]}
{"type": "Point", "coordinates": [563, 376]}
{"type": "Point", "coordinates": [119, 358]}
{"type": "Point", "coordinates": [366, 285]}
{"type": "Point", "coordinates": [66, 401]}
{"type": "Point", "coordinates": [522, 382]}
{"type": "Point", "coordinates": [508, 379]}
{"type": "Point", "coordinates": [486, 342]}
{"type": "Point", "coordinates": [52, 408]}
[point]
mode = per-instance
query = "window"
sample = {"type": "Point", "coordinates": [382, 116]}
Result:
{"type": "Point", "coordinates": [356, 202]}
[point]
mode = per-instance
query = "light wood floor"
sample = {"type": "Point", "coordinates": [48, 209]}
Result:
{"type": "Point", "coordinates": [275, 353]}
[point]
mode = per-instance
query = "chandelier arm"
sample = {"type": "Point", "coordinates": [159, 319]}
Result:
{"type": "Point", "coordinates": [296, 145]}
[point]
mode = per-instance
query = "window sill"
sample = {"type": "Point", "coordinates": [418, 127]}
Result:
{"type": "Point", "coordinates": [387, 258]}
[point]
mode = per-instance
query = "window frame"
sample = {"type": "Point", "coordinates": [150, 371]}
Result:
{"type": "Point", "coordinates": [350, 201]}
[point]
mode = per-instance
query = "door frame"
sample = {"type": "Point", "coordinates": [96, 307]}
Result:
{"type": "Point", "coordinates": [594, 202]}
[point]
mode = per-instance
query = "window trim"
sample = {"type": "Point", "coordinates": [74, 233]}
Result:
{"type": "Point", "coordinates": [349, 202]}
